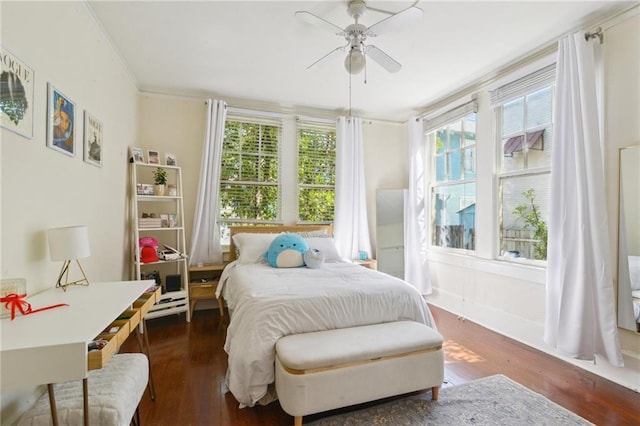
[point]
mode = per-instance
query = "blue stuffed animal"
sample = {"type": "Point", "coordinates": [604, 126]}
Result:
{"type": "Point", "coordinates": [287, 251]}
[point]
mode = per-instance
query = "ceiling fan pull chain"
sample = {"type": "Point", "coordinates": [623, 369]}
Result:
{"type": "Point", "coordinates": [350, 76]}
{"type": "Point", "coordinates": [365, 71]}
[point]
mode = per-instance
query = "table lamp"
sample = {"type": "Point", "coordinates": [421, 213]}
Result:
{"type": "Point", "coordinates": [69, 244]}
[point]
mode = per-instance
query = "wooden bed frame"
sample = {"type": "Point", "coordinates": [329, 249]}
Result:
{"type": "Point", "coordinates": [256, 229]}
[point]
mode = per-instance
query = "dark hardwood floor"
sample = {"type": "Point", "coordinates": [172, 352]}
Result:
{"type": "Point", "coordinates": [189, 365]}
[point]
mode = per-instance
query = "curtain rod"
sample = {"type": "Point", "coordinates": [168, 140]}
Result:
{"type": "Point", "coordinates": [595, 34]}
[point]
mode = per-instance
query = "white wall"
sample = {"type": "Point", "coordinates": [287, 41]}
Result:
{"type": "Point", "coordinates": [42, 188]}
{"type": "Point", "coordinates": [509, 298]}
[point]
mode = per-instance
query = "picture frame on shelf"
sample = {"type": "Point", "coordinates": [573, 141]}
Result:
{"type": "Point", "coordinates": [173, 220]}
{"type": "Point", "coordinates": [61, 122]}
{"type": "Point", "coordinates": [135, 155]}
{"type": "Point", "coordinates": [144, 189]}
{"type": "Point", "coordinates": [170, 159]}
{"type": "Point", "coordinates": [16, 91]}
{"type": "Point", "coordinates": [153, 157]}
{"type": "Point", "coordinates": [164, 220]}
{"type": "Point", "coordinates": [92, 140]}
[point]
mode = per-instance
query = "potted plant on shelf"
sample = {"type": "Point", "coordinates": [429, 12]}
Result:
{"type": "Point", "coordinates": [160, 180]}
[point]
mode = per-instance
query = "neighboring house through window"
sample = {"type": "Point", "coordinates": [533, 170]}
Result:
{"type": "Point", "coordinates": [452, 140]}
{"type": "Point", "coordinates": [524, 118]}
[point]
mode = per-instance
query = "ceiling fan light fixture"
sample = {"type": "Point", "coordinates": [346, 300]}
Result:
{"type": "Point", "coordinates": [354, 62]}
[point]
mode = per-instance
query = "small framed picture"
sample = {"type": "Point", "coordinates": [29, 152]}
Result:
{"type": "Point", "coordinates": [17, 84]}
{"type": "Point", "coordinates": [135, 155]}
{"type": "Point", "coordinates": [92, 140]}
{"type": "Point", "coordinates": [164, 220]}
{"type": "Point", "coordinates": [173, 220]}
{"type": "Point", "coordinates": [170, 159]}
{"type": "Point", "coordinates": [61, 122]}
{"type": "Point", "coordinates": [153, 157]}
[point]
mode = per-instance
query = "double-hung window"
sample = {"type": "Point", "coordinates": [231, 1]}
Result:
{"type": "Point", "coordinates": [316, 171]}
{"type": "Point", "coordinates": [524, 118]}
{"type": "Point", "coordinates": [451, 138]}
{"type": "Point", "coordinates": [250, 172]}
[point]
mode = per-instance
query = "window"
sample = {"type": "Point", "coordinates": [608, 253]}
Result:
{"type": "Point", "coordinates": [316, 171]}
{"type": "Point", "coordinates": [524, 117]}
{"type": "Point", "coordinates": [452, 140]}
{"type": "Point", "coordinates": [250, 174]}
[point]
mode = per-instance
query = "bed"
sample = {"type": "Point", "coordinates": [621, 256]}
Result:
{"type": "Point", "coordinates": [267, 303]}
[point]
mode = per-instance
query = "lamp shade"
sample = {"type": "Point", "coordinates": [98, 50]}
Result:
{"type": "Point", "coordinates": [69, 243]}
{"type": "Point", "coordinates": [355, 61]}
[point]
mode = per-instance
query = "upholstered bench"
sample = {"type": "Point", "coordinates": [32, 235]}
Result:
{"type": "Point", "coordinates": [114, 393]}
{"type": "Point", "coordinates": [330, 369]}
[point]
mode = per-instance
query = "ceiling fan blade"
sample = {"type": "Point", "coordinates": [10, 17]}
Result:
{"type": "Point", "coordinates": [397, 21]}
{"type": "Point", "coordinates": [384, 60]}
{"type": "Point", "coordinates": [334, 51]}
{"type": "Point", "coordinates": [319, 22]}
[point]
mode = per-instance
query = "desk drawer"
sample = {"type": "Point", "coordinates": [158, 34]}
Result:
{"type": "Point", "coordinates": [145, 302]}
{"type": "Point", "coordinates": [132, 316]}
{"type": "Point", "coordinates": [203, 290]}
{"type": "Point", "coordinates": [98, 358]}
{"type": "Point", "coordinates": [123, 330]}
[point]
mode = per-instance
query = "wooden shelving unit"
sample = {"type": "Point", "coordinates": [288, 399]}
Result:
{"type": "Point", "coordinates": [170, 231]}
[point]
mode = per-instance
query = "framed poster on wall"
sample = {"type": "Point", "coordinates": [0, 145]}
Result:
{"type": "Point", "coordinates": [92, 140]}
{"type": "Point", "coordinates": [61, 122]}
{"type": "Point", "coordinates": [16, 94]}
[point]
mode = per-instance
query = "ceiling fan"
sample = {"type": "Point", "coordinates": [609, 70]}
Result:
{"type": "Point", "coordinates": [356, 34]}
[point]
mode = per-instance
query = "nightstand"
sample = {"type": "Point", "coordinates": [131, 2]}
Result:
{"type": "Point", "coordinates": [367, 263]}
{"type": "Point", "coordinates": [203, 282]}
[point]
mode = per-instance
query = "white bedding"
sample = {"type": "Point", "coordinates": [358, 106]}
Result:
{"type": "Point", "coordinates": [269, 303]}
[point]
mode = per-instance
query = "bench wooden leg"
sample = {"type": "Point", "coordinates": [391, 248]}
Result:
{"type": "Point", "coordinates": [297, 421]}
{"type": "Point", "coordinates": [434, 393]}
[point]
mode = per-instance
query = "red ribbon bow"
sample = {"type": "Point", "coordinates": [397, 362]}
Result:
{"type": "Point", "coordinates": [16, 301]}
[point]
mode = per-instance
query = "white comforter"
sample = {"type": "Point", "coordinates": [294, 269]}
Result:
{"type": "Point", "coordinates": [269, 303]}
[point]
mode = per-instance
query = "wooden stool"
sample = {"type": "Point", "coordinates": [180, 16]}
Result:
{"type": "Point", "coordinates": [114, 394]}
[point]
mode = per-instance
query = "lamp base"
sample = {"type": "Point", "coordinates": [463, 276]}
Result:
{"type": "Point", "coordinates": [64, 274]}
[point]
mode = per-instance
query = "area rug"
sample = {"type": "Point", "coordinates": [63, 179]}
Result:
{"type": "Point", "coordinates": [493, 400]}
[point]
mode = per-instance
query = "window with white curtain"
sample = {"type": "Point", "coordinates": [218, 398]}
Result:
{"type": "Point", "coordinates": [250, 172]}
{"type": "Point", "coordinates": [451, 138]}
{"type": "Point", "coordinates": [316, 170]}
{"type": "Point", "coordinates": [524, 123]}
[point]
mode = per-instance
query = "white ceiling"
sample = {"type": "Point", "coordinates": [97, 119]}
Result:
{"type": "Point", "coordinates": [259, 51]}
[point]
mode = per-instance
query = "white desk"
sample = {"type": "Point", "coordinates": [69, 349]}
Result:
{"type": "Point", "coordinates": [51, 346]}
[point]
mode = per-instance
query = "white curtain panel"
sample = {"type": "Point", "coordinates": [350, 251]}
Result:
{"type": "Point", "coordinates": [416, 267]}
{"type": "Point", "coordinates": [205, 239]}
{"type": "Point", "coordinates": [580, 318]}
{"type": "Point", "coordinates": [351, 226]}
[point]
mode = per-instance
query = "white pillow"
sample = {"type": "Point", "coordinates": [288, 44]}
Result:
{"type": "Point", "coordinates": [252, 247]}
{"type": "Point", "coordinates": [326, 247]}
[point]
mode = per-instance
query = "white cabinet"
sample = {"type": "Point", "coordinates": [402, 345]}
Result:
{"type": "Point", "coordinates": [160, 218]}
